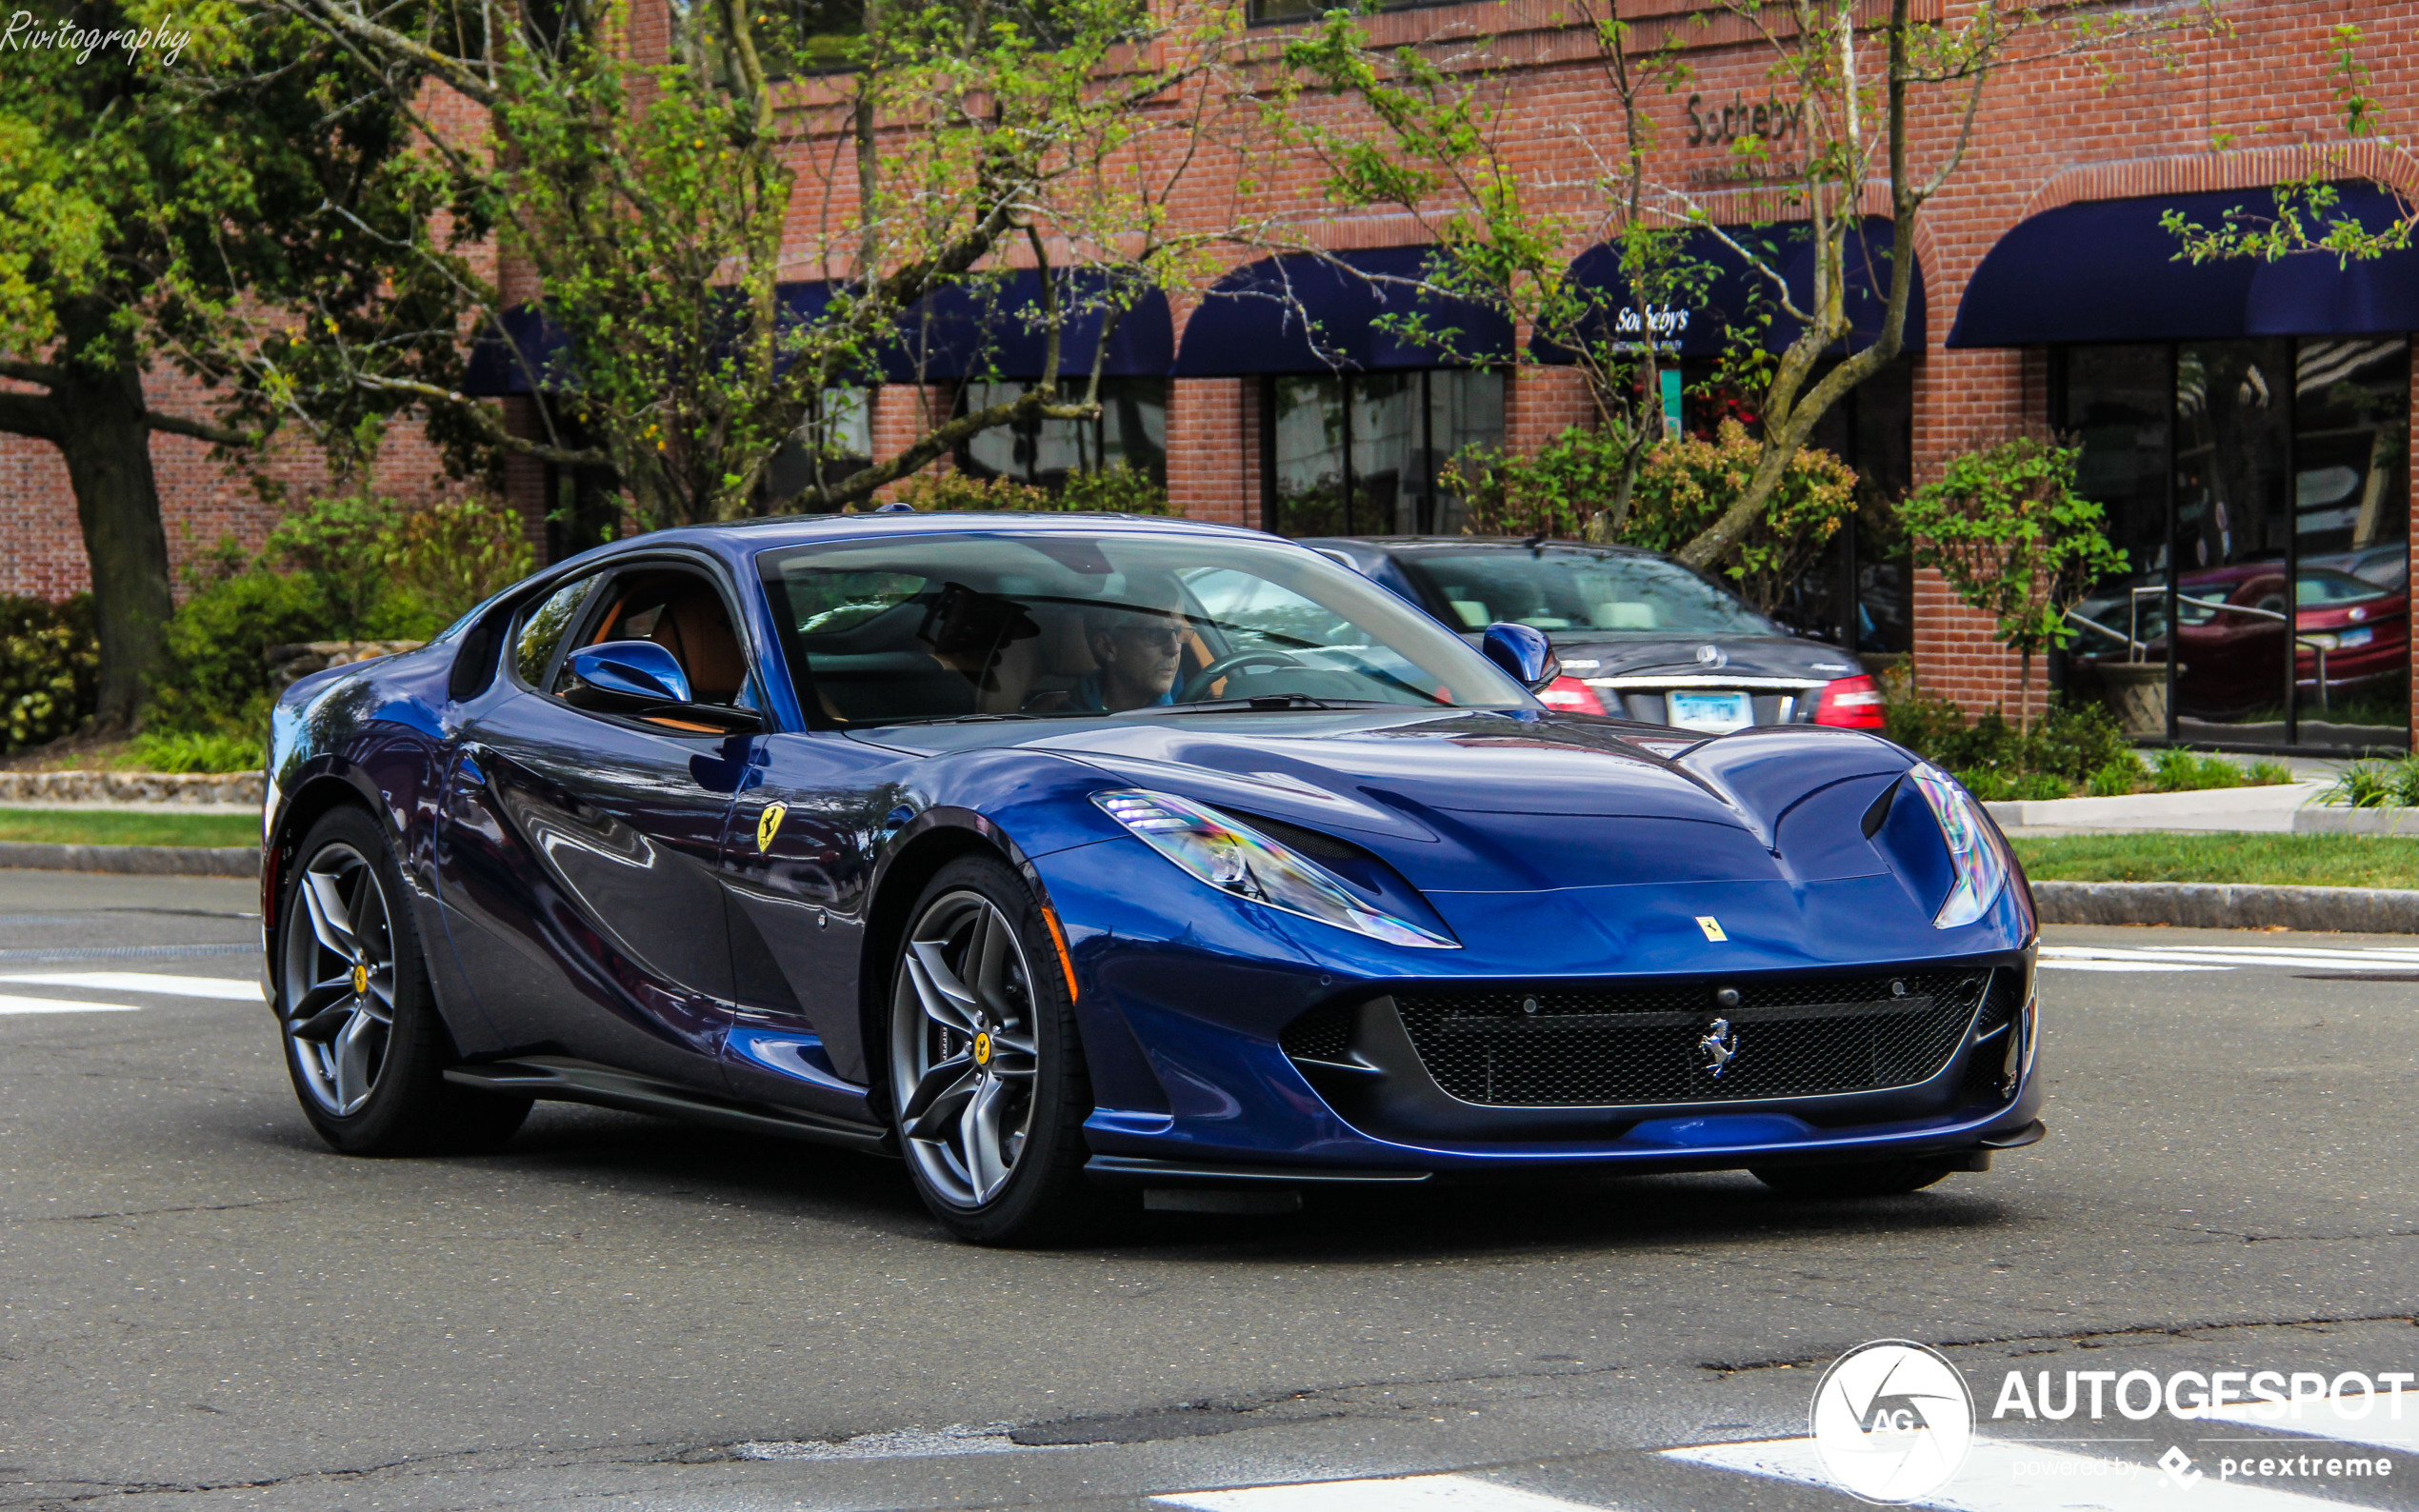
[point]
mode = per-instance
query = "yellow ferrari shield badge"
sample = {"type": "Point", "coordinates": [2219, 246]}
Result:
{"type": "Point", "coordinates": [768, 824]}
{"type": "Point", "coordinates": [1713, 928]}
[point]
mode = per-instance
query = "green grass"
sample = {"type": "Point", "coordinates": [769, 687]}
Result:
{"type": "Point", "coordinates": [2314, 861]}
{"type": "Point", "coordinates": [87, 827]}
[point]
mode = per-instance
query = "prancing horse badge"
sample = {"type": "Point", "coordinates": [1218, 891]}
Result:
{"type": "Point", "coordinates": [1713, 928]}
{"type": "Point", "coordinates": [768, 824]}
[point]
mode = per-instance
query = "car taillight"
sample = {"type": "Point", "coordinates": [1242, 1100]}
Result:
{"type": "Point", "coordinates": [1568, 695]}
{"type": "Point", "coordinates": [1851, 703]}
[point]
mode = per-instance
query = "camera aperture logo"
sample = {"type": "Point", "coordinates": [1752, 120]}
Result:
{"type": "Point", "coordinates": [1892, 1421]}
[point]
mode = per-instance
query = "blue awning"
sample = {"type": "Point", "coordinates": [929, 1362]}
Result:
{"type": "Point", "coordinates": [1733, 293]}
{"type": "Point", "coordinates": [992, 329]}
{"type": "Point", "coordinates": [542, 347]}
{"type": "Point", "coordinates": [963, 331]}
{"type": "Point", "coordinates": [1254, 320]}
{"type": "Point", "coordinates": [2108, 271]}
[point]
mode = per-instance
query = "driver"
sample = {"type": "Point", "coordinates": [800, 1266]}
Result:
{"type": "Point", "coordinates": [1138, 644]}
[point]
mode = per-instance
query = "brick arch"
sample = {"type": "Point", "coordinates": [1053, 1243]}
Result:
{"type": "Point", "coordinates": [2138, 178]}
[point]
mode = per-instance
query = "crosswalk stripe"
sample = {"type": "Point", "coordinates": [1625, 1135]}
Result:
{"type": "Point", "coordinates": [2003, 1476]}
{"type": "Point", "coordinates": [229, 990]}
{"type": "Point", "coordinates": [2128, 965]}
{"type": "Point", "coordinates": [20, 1005]}
{"type": "Point", "coordinates": [2377, 1431]}
{"type": "Point", "coordinates": [2175, 957]}
{"type": "Point", "coordinates": [1409, 1492]}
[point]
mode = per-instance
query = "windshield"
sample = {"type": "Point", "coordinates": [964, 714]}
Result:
{"type": "Point", "coordinates": [1569, 590]}
{"type": "Point", "coordinates": [1059, 625]}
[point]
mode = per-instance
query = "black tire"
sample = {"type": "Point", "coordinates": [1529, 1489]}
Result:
{"type": "Point", "coordinates": [1018, 1047]}
{"type": "Point", "coordinates": [333, 1042]}
{"type": "Point", "coordinates": [1867, 1179]}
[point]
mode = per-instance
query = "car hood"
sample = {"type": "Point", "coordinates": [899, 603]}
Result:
{"type": "Point", "coordinates": [1495, 802]}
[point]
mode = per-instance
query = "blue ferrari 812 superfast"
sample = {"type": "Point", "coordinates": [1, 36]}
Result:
{"type": "Point", "coordinates": [1067, 858]}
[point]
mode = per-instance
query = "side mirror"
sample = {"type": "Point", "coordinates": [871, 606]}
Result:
{"type": "Point", "coordinates": [1524, 651]}
{"type": "Point", "coordinates": [632, 670]}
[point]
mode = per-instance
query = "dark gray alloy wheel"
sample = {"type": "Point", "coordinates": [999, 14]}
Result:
{"type": "Point", "coordinates": [986, 1073]}
{"type": "Point", "coordinates": [364, 1042]}
{"type": "Point", "coordinates": [1867, 1179]}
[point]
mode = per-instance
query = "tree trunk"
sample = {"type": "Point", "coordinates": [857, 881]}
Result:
{"type": "Point", "coordinates": [106, 445]}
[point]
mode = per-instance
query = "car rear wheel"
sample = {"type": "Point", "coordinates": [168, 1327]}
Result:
{"type": "Point", "coordinates": [364, 1043]}
{"type": "Point", "coordinates": [1867, 1179]}
{"type": "Point", "coordinates": [988, 1090]}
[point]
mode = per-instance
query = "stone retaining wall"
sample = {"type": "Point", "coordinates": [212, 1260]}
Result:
{"type": "Point", "coordinates": [132, 787]}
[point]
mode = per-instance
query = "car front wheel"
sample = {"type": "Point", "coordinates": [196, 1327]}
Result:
{"type": "Point", "coordinates": [364, 1043]}
{"type": "Point", "coordinates": [988, 1090]}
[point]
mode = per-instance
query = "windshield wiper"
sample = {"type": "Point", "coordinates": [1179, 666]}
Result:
{"type": "Point", "coordinates": [1268, 703]}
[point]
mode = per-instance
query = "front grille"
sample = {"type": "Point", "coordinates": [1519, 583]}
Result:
{"type": "Point", "coordinates": [1555, 1047]}
{"type": "Point", "coordinates": [1323, 1034]}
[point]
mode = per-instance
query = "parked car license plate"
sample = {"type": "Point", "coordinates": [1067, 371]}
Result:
{"type": "Point", "coordinates": [1710, 711]}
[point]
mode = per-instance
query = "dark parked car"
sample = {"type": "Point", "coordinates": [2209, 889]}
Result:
{"type": "Point", "coordinates": [1640, 636]}
{"type": "Point", "coordinates": [1049, 853]}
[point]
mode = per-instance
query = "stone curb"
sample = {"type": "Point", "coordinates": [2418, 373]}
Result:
{"type": "Point", "coordinates": [125, 788]}
{"type": "Point", "coordinates": [147, 860]}
{"type": "Point", "coordinates": [2230, 906]}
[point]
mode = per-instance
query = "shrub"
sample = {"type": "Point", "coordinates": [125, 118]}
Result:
{"type": "Point", "coordinates": [212, 752]}
{"type": "Point", "coordinates": [50, 669]}
{"type": "Point", "coordinates": [2076, 738]}
{"type": "Point", "coordinates": [2376, 785]}
{"type": "Point", "coordinates": [453, 555]}
{"type": "Point", "coordinates": [2265, 773]}
{"type": "Point", "coordinates": [341, 545]}
{"type": "Point", "coordinates": [2180, 771]}
{"type": "Point", "coordinates": [214, 679]}
{"type": "Point", "coordinates": [2118, 777]}
{"type": "Point", "coordinates": [2074, 744]}
{"type": "Point", "coordinates": [2005, 526]}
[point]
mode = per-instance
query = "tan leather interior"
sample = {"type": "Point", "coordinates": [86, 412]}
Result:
{"type": "Point", "coordinates": [691, 623]}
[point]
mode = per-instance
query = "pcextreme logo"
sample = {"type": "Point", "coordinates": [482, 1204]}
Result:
{"type": "Point", "coordinates": [1892, 1421]}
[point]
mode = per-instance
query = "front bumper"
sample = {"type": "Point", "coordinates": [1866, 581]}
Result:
{"type": "Point", "coordinates": [1187, 996]}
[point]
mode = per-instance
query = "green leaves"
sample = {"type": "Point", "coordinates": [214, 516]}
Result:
{"type": "Point", "coordinates": [2005, 526]}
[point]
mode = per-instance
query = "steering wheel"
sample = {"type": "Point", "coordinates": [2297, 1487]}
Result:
{"type": "Point", "coordinates": [1199, 683]}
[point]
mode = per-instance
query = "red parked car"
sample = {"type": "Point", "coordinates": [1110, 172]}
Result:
{"type": "Point", "coordinates": [2231, 643]}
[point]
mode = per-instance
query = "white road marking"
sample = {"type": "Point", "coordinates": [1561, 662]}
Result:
{"type": "Point", "coordinates": [2002, 1476]}
{"type": "Point", "coordinates": [17, 1006]}
{"type": "Point", "coordinates": [1407, 1493]}
{"type": "Point", "coordinates": [2183, 958]}
{"type": "Point", "coordinates": [229, 990]}
{"type": "Point", "coordinates": [2379, 1430]}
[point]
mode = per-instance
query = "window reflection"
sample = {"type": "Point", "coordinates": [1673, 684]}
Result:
{"type": "Point", "coordinates": [1359, 454]}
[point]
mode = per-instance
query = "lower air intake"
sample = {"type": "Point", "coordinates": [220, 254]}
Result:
{"type": "Point", "coordinates": [1554, 1047]}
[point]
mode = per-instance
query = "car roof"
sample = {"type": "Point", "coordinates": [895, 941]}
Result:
{"type": "Point", "coordinates": [737, 541]}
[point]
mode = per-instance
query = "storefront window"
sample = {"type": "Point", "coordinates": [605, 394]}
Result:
{"type": "Point", "coordinates": [1359, 455]}
{"type": "Point", "coordinates": [1131, 431]}
{"type": "Point", "coordinates": [834, 439]}
{"type": "Point", "coordinates": [2259, 489]}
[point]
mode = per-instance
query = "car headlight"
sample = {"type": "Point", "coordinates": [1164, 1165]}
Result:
{"type": "Point", "coordinates": [1973, 852]}
{"type": "Point", "coordinates": [1236, 859]}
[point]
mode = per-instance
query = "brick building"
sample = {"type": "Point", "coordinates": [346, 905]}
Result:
{"type": "Point", "coordinates": [2247, 425]}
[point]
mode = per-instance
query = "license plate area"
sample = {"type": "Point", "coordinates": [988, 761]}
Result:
{"type": "Point", "coordinates": [1716, 712]}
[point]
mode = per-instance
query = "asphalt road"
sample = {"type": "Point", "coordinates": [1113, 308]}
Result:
{"type": "Point", "coordinates": [200, 1304]}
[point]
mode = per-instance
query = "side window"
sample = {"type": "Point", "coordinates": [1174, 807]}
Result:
{"type": "Point", "coordinates": [681, 611]}
{"type": "Point", "coordinates": [543, 629]}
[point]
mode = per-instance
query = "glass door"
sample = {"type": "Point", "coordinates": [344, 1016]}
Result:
{"type": "Point", "coordinates": [2233, 604]}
